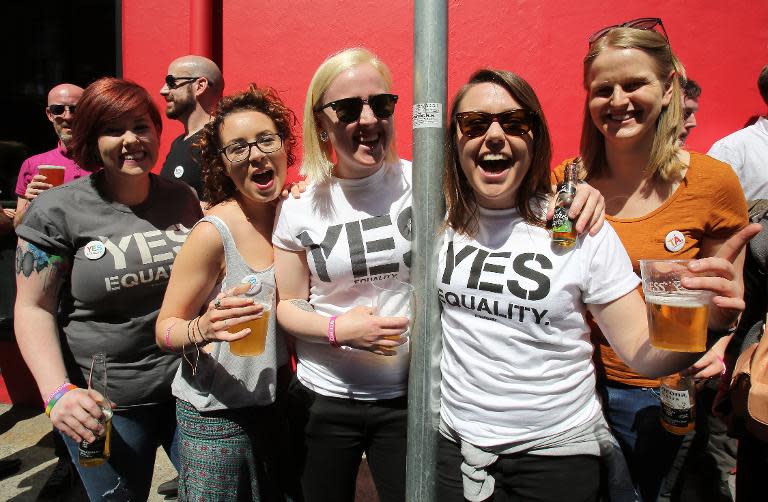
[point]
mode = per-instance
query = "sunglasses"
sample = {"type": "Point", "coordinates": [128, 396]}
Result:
{"type": "Point", "coordinates": [57, 110]}
{"type": "Point", "coordinates": [173, 82]}
{"type": "Point", "coordinates": [513, 122]}
{"type": "Point", "coordinates": [348, 110]}
{"type": "Point", "coordinates": [643, 23]}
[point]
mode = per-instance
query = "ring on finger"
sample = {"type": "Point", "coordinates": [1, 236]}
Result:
{"type": "Point", "coordinates": [217, 303]}
{"type": "Point", "coordinates": [226, 323]}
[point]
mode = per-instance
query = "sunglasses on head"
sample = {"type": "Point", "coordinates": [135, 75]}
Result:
{"type": "Point", "coordinates": [173, 82]}
{"type": "Point", "coordinates": [348, 110]}
{"type": "Point", "coordinates": [57, 110]}
{"type": "Point", "coordinates": [643, 23]}
{"type": "Point", "coordinates": [513, 122]}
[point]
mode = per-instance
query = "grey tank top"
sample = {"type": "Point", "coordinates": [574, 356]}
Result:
{"type": "Point", "coordinates": [223, 380]}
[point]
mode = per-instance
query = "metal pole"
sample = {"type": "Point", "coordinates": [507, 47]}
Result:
{"type": "Point", "coordinates": [430, 89]}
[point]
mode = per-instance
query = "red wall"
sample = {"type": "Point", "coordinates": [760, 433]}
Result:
{"type": "Point", "coordinates": [723, 45]}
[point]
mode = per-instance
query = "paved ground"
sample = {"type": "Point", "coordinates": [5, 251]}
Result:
{"type": "Point", "coordinates": [25, 433]}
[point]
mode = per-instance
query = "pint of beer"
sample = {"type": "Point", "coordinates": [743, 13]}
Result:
{"type": "Point", "coordinates": [254, 342]}
{"type": "Point", "coordinates": [53, 174]}
{"type": "Point", "coordinates": [677, 317]}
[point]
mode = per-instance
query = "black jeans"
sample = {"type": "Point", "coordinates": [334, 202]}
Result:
{"type": "Point", "coordinates": [523, 477]}
{"type": "Point", "coordinates": [331, 435]}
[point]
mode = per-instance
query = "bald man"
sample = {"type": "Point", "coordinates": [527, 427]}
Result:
{"type": "Point", "coordinates": [62, 102]}
{"type": "Point", "coordinates": [192, 88]}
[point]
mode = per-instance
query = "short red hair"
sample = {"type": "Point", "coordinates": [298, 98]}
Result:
{"type": "Point", "coordinates": [102, 102]}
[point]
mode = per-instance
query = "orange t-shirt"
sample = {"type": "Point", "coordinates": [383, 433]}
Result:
{"type": "Point", "coordinates": [708, 204]}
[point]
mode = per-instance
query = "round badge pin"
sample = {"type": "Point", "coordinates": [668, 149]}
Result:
{"type": "Point", "coordinates": [178, 172]}
{"type": "Point", "coordinates": [255, 283]}
{"type": "Point", "coordinates": [674, 241]}
{"type": "Point", "coordinates": [94, 250]}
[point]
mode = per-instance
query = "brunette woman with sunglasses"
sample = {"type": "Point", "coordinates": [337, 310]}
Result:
{"type": "Point", "coordinates": [665, 203]}
{"type": "Point", "coordinates": [232, 426]}
{"type": "Point", "coordinates": [520, 415]}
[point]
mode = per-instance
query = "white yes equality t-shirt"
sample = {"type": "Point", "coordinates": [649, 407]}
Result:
{"type": "Point", "coordinates": [516, 362]}
{"type": "Point", "coordinates": [354, 232]}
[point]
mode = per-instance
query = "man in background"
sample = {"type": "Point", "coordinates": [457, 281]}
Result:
{"type": "Point", "coordinates": [746, 150]}
{"type": "Point", "coordinates": [691, 93]}
{"type": "Point", "coordinates": [192, 89]}
{"type": "Point", "coordinates": [62, 102]}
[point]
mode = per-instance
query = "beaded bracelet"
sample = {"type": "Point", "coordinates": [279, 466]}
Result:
{"type": "Point", "coordinates": [332, 331]}
{"type": "Point", "coordinates": [54, 396]}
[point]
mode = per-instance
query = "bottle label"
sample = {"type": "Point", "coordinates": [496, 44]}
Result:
{"type": "Point", "coordinates": [676, 408]}
{"type": "Point", "coordinates": [86, 450]}
{"type": "Point", "coordinates": [560, 221]}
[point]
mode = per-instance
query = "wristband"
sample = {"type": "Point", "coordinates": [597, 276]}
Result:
{"type": "Point", "coordinates": [332, 331]}
{"type": "Point", "coordinates": [722, 361]}
{"type": "Point", "coordinates": [167, 339]}
{"type": "Point", "coordinates": [54, 396]}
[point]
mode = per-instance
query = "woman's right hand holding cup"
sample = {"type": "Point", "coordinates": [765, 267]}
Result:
{"type": "Point", "coordinates": [360, 329]}
{"type": "Point", "coordinates": [229, 309]}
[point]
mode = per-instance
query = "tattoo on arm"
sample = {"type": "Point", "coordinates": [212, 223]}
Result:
{"type": "Point", "coordinates": [302, 304]}
{"type": "Point", "coordinates": [30, 258]}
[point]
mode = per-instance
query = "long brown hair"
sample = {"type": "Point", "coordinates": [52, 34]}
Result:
{"type": "Point", "coordinates": [663, 163]}
{"type": "Point", "coordinates": [217, 185]}
{"type": "Point", "coordinates": [460, 199]}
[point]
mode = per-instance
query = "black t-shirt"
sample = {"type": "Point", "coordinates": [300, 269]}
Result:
{"type": "Point", "coordinates": [183, 162]}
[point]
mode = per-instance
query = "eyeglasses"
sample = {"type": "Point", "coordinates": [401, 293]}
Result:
{"type": "Point", "coordinates": [348, 110]}
{"type": "Point", "coordinates": [241, 150]}
{"type": "Point", "coordinates": [513, 122]}
{"type": "Point", "coordinates": [643, 23]}
{"type": "Point", "coordinates": [173, 82]}
{"type": "Point", "coordinates": [57, 110]}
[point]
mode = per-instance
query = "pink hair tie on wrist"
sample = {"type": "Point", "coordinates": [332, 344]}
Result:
{"type": "Point", "coordinates": [167, 338]}
{"type": "Point", "coordinates": [725, 368]}
{"type": "Point", "coordinates": [332, 331]}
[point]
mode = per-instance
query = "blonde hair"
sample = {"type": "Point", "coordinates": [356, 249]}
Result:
{"type": "Point", "coordinates": [318, 155]}
{"type": "Point", "coordinates": [663, 163]}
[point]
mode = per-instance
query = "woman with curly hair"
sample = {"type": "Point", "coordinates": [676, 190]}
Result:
{"type": "Point", "coordinates": [228, 406]}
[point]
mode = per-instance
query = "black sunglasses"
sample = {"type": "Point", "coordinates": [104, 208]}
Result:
{"type": "Point", "coordinates": [642, 23]}
{"type": "Point", "coordinates": [57, 110]}
{"type": "Point", "coordinates": [513, 122]}
{"type": "Point", "coordinates": [348, 110]}
{"type": "Point", "coordinates": [173, 82]}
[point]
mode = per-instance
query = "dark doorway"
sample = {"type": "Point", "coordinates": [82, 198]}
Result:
{"type": "Point", "coordinates": [46, 43]}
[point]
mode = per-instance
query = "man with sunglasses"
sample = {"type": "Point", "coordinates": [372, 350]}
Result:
{"type": "Point", "coordinates": [62, 102]}
{"type": "Point", "coordinates": [192, 88]}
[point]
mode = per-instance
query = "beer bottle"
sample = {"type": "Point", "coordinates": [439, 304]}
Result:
{"type": "Point", "coordinates": [678, 404]}
{"type": "Point", "coordinates": [563, 231]}
{"type": "Point", "coordinates": [97, 452]}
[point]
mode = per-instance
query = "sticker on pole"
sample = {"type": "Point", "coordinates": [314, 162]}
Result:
{"type": "Point", "coordinates": [427, 115]}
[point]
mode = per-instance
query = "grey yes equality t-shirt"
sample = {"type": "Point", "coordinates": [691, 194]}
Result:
{"type": "Point", "coordinates": [121, 260]}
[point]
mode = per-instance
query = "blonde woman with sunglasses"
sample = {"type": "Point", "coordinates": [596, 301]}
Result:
{"type": "Point", "coordinates": [664, 202]}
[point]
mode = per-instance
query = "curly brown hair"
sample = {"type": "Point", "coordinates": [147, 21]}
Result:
{"type": "Point", "coordinates": [217, 185]}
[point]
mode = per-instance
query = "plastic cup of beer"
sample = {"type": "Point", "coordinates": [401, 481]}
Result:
{"type": "Point", "coordinates": [54, 175]}
{"type": "Point", "coordinates": [253, 343]}
{"type": "Point", "coordinates": [393, 298]}
{"type": "Point", "coordinates": [677, 316]}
